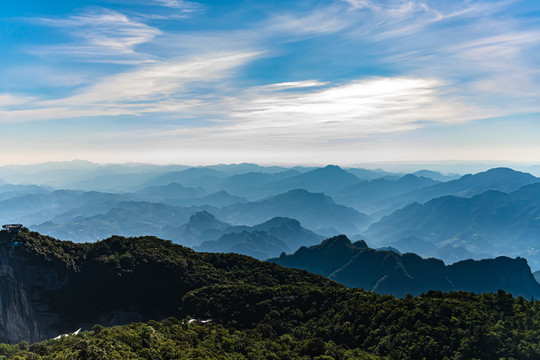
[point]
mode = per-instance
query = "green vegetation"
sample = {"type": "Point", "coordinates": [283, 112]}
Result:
{"type": "Point", "coordinates": [258, 310]}
{"type": "Point", "coordinates": [436, 325]}
{"type": "Point", "coordinates": [173, 339]}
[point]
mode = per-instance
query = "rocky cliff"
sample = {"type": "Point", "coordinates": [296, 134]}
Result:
{"type": "Point", "coordinates": [24, 315]}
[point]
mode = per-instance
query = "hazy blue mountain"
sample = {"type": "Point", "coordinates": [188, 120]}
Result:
{"type": "Point", "coordinates": [40, 207]}
{"type": "Point", "coordinates": [192, 177]}
{"type": "Point", "coordinates": [314, 210]}
{"type": "Point", "coordinates": [179, 195]}
{"type": "Point", "coordinates": [258, 244]}
{"type": "Point", "coordinates": [368, 196]}
{"type": "Point", "coordinates": [172, 191]}
{"type": "Point", "coordinates": [502, 179]}
{"type": "Point", "coordinates": [8, 191]}
{"type": "Point", "coordinates": [366, 174]}
{"type": "Point", "coordinates": [290, 231]}
{"type": "Point", "coordinates": [537, 276]}
{"type": "Point", "coordinates": [253, 185]}
{"type": "Point", "coordinates": [131, 218]}
{"type": "Point", "coordinates": [37, 208]}
{"type": "Point", "coordinates": [218, 199]}
{"type": "Point", "coordinates": [387, 272]}
{"type": "Point", "coordinates": [202, 226]}
{"type": "Point", "coordinates": [66, 174]}
{"type": "Point", "coordinates": [435, 175]}
{"type": "Point", "coordinates": [325, 180]}
{"type": "Point", "coordinates": [490, 223]}
{"type": "Point", "coordinates": [235, 169]}
{"type": "Point", "coordinates": [269, 239]}
{"type": "Point", "coordinates": [123, 182]}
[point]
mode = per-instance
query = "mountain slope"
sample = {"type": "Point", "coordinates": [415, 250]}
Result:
{"type": "Point", "coordinates": [262, 241]}
{"type": "Point", "coordinates": [50, 287]}
{"type": "Point", "coordinates": [202, 226]}
{"type": "Point", "coordinates": [316, 211]}
{"type": "Point", "coordinates": [324, 179]}
{"type": "Point", "coordinates": [501, 179]}
{"type": "Point", "coordinates": [369, 196]}
{"type": "Point", "coordinates": [386, 272]}
{"type": "Point", "coordinates": [490, 223]}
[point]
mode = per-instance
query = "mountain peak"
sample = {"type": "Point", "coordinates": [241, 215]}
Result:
{"type": "Point", "coordinates": [336, 241]}
{"type": "Point", "coordinates": [203, 220]}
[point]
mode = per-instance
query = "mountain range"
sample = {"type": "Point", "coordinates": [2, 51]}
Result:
{"type": "Point", "coordinates": [387, 272]}
{"type": "Point", "coordinates": [492, 222]}
{"type": "Point", "coordinates": [316, 211]}
{"type": "Point", "coordinates": [262, 241]}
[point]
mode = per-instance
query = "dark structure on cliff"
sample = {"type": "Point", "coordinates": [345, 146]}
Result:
{"type": "Point", "coordinates": [12, 227]}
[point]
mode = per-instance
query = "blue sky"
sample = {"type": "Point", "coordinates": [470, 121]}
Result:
{"type": "Point", "coordinates": [342, 82]}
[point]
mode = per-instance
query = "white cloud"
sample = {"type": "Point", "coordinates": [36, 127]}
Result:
{"type": "Point", "coordinates": [178, 4]}
{"type": "Point", "coordinates": [105, 33]}
{"type": "Point", "coordinates": [353, 110]}
{"type": "Point", "coordinates": [163, 87]}
{"type": "Point", "coordinates": [10, 100]}
{"type": "Point", "coordinates": [262, 117]}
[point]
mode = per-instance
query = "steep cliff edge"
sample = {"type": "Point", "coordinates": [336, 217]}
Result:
{"type": "Point", "coordinates": [24, 315]}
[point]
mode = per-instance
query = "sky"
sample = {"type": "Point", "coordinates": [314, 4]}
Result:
{"type": "Point", "coordinates": [273, 82]}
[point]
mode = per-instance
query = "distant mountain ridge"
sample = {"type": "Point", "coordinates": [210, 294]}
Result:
{"type": "Point", "coordinates": [488, 223]}
{"type": "Point", "coordinates": [262, 241]}
{"type": "Point", "coordinates": [370, 196]}
{"type": "Point", "coordinates": [386, 272]}
{"type": "Point", "coordinates": [314, 210]}
{"type": "Point", "coordinates": [501, 179]}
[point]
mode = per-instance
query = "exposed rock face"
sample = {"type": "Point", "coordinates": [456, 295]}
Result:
{"type": "Point", "coordinates": [22, 315]}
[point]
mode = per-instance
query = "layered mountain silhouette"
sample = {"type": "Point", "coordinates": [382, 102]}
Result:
{"type": "Point", "coordinates": [324, 179]}
{"type": "Point", "coordinates": [172, 191]}
{"type": "Point", "coordinates": [490, 223]}
{"type": "Point", "coordinates": [131, 218]}
{"type": "Point", "coordinates": [263, 241]}
{"type": "Point", "coordinates": [435, 175]}
{"type": "Point", "coordinates": [370, 196]}
{"type": "Point", "coordinates": [316, 211]}
{"type": "Point", "coordinates": [501, 179]}
{"type": "Point", "coordinates": [387, 272]}
{"type": "Point", "coordinates": [202, 226]}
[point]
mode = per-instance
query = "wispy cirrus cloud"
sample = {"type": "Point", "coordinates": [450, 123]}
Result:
{"type": "Point", "coordinates": [178, 4]}
{"type": "Point", "coordinates": [166, 87]}
{"type": "Point", "coordinates": [103, 35]}
{"type": "Point", "coordinates": [10, 100]}
{"type": "Point", "coordinates": [353, 110]}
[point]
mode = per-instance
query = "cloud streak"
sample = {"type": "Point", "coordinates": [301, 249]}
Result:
{"type": "Point", "coordinates": [101, 36]}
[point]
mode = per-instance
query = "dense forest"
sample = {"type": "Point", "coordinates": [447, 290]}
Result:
{"type": "Point", "coordinates": [243, 308]}
{"type": "Point", "coordinates": [314, 323]}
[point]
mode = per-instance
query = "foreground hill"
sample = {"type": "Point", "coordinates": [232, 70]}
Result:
{"type": "Point", "coordinates": [304, 322]}
{"type": "Point", "coordinates": [387, 272]}
{"type": "Point", "coordinates": [240, 309]}
{"type": "Point", "coordinates": [51, 287]}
